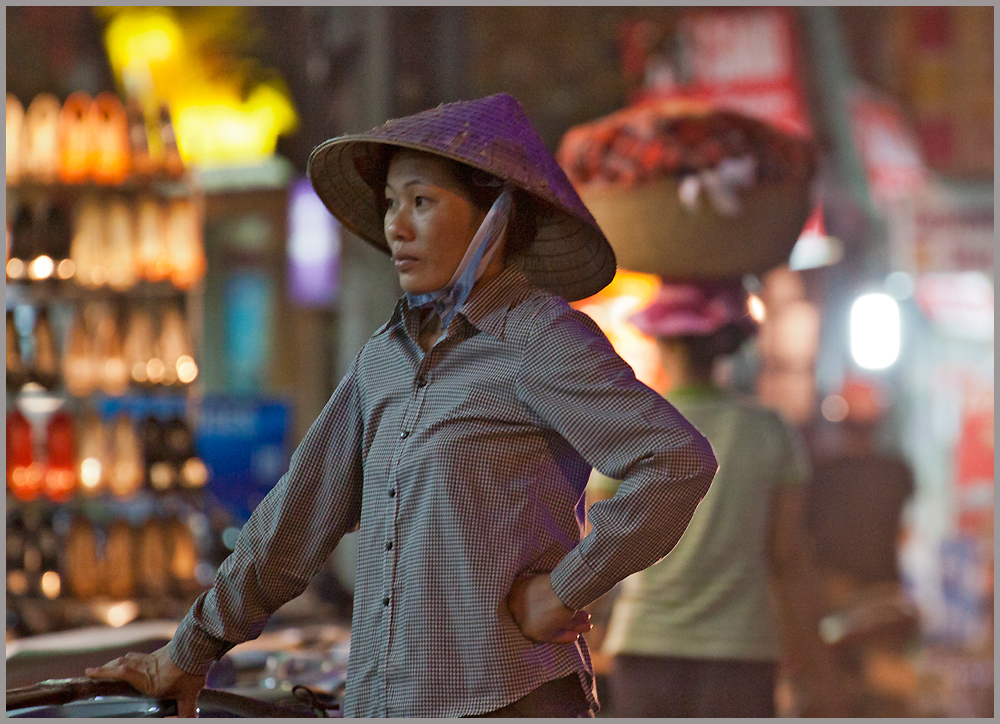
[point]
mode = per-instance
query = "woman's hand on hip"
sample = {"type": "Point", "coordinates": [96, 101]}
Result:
{"type": "Point", "coordinates": [540, 614]}
{"type": "Point", "coordinates": [155, 675]}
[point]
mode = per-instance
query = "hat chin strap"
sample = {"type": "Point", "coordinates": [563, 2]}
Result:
{"type": "Point", "coordinates": [448, 300]}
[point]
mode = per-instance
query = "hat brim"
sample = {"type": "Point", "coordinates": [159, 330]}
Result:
{"type": "Point", "coordinates": [568, 256]}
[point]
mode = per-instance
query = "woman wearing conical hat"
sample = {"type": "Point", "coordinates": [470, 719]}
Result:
{"type": "Point", "coordinates": [461, 440]}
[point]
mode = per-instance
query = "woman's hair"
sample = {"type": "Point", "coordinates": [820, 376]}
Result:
{"type": "Point", "coordinates": [481, 189]}
{"type": "Point", "coordinates": [703, 349]}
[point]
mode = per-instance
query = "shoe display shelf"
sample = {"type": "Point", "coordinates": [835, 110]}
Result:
{"type": "Point", "coordinates": [105, 517]}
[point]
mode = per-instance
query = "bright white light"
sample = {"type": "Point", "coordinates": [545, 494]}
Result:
{"type": "Point", "coordinates": [875, 331]}
{"type": "Point", "coordinates": [756, 307]}
{"type": "Point", "coordinates": [90, 473]}
{"type": "Point", "coordinates": [41, 268]}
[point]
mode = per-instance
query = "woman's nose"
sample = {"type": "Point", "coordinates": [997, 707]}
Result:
{"type": "Point", "coordinates": [398, 226]}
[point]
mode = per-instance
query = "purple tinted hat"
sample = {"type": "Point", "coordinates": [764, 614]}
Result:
{"type": "Point", "coordinates": [570, 255]}
{"type": "Point", "coordinates": [695, 308]}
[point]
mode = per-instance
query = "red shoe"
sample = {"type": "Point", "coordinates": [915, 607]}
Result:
{"type": "Point", "coordinates": [24, 475]}
{"type": "Point", "coordinates": [60, 478]}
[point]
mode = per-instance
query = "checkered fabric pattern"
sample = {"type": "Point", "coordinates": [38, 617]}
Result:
{"type": "Point", "coordinates": [466, 468]}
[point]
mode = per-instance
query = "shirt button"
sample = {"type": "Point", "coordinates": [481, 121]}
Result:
{"type": "Point", "coordinates": [421, 382]}
{"type": "Point", "coordinates": [388, 546]}
{"type": "Point", "coordinates": [404, 433]}
{"type": "Point", "coordinates": [392, 492]}
{"type": "Point", "coordinates": [385, 601]}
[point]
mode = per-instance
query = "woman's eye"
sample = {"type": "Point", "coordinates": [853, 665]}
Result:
{"type": "Point", "coordinates": [420, 200]}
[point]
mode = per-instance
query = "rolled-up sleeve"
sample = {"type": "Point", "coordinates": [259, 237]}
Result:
{"type": "Point", "coordinates": [287, 538]}
{"type": "Point", "coordinates": [573, 379]}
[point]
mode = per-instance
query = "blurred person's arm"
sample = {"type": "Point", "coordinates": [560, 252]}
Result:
{"type": "Point", "coordinates": [797, 589]}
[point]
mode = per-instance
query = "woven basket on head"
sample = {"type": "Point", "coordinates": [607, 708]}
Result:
{"type": "Point", "coordinates": [619, 166]}
{"type": "Point", "coordinates": [651, 231]}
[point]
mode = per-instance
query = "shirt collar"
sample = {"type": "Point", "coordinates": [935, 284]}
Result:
{"type": "Point", "coordinates": [485, 309]}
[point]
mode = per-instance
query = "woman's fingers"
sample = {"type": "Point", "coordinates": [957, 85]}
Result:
{"type": "Point", "coordinates": [133, 668]}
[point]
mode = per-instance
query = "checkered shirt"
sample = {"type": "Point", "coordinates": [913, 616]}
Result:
{"type": "Point", "coordinates": [466, 468]}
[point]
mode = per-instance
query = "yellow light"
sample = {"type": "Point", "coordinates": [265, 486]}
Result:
{"type": "Point", "coordinates": [155, 369]}
{"type": "Point", "coordinates": [610, 308]}
{"type": "Point", "coordinates": [17, 583]}
{"type": "Point", "coordinates": [187, 370]}
{"type": "Point", "coordinates": [142, 37]}
{"type": "Point", "coordinates": [139, 372]}
{"type": "Point", "coordinates": [99, 276]}
{"type": "Point", "coordinates": [66, 269]}
{"type": "Point", "coordinates": [756, 307]}
{"type": "Point", "coordinates": [15, 269]}
{"type": "Point", "coordinates": [121, 613]}
{"type": "Point", "coordinates": [194, 473]}
{"type": "Point", "coordinates": [51, 584]}
{"type": "Point", "coordinates": [90, 473]}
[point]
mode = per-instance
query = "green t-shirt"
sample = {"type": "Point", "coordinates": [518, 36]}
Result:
{"type": "Point", "coordinates": [709, 597]}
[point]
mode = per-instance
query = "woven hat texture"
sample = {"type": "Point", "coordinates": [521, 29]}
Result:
{"type": "Point", "coordinates": [570, 255]}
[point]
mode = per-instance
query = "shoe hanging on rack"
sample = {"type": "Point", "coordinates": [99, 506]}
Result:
{"type": "Point", "coordinates": [94, 457]}
{"type": "Point", "coordinates": [55, 239]}
{"type": "Point", "coordinates": [45, 360]}
{"type": "Point", "coordinates": [143, 163]}
{"type": "Point", "coordinates": [138, 346]}
{"type": "Point", "coordinates": [114, 375]}
{"type": "Point", "coordinates": [49, 547]}
{"type": "Point", "coordinates": [184, 244]}
{"type": "Point", "coordinates": [109, 140]}
{"type": "Point", "coordinates": [16, 375]}
{"type": "Point", "coordinates": [85, 250]}
{"type": "Point", "coordinates": [127, 477]}
{"type": "Point", "coordinates": [40, 150]}
{"type": "Point", "coordinates": [191, 470]}
{"type": "Point", "coordinates": [118, 561]}
{"type": "Point", "coordinates": [22, 244]}
{"type": "Point", "coordinates": [160, 475]}
{"type": "Point", "coordinates": [24, 473]}
{"type": "Point", "coordinates": [15, 126]}
{"type": "Point", "coordinates": [175, 347]}
{"type": "Point", "coordinates": [80, 372]}
{"type": "Point", "coordinates": [183, 555]}
{"type": "Point", "coordinates": [173, 165]}
{"type": "Point", "coordinates": [152, 255]}
{"type": "Point", "coordinates": [81, 567]}
{"type": "Point", "coordinates": [17, 582]}
{"type": "Point", "coordinates": [120, 246]}
{"type": "Point", "coordinates": [75, 138]}
{"type": "Point", "coordinates": [153, 557]}
{"type": "Point", "coordinates": [60, 473]}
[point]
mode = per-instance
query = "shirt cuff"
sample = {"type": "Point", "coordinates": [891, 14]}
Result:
{"type": "Point", "coordinates": [576, 583]}
{"type": "Point", "coordinates": [193, 650]}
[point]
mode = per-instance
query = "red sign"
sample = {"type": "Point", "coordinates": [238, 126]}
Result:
{"type": "Point", "coordinates": [744, 59]}
{"type": "Point", "coordinates": [888, 149]}
{"type": "Point", "coordinates": [974, 462]}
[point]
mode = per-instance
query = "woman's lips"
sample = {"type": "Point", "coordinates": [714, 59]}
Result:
{"type": "Point", "coordinates": [402, 263]}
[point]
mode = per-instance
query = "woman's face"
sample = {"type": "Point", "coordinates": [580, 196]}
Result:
{"type": "Point", "coordinates": [429, 221]}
